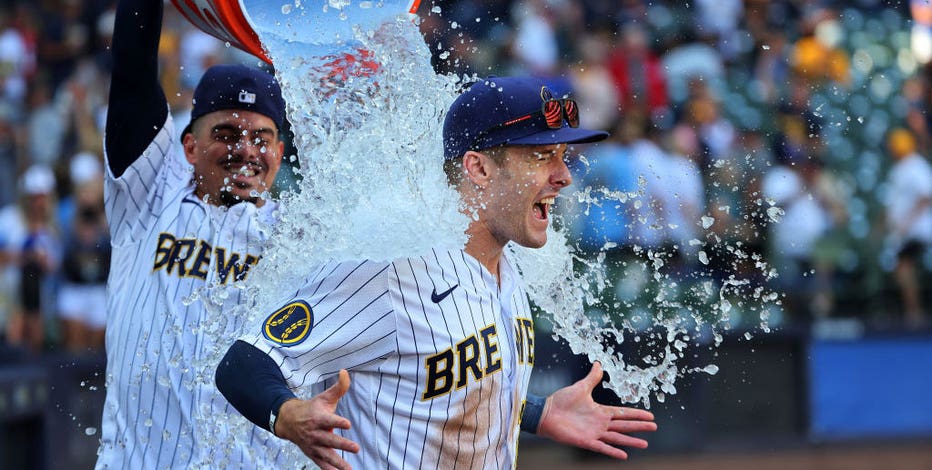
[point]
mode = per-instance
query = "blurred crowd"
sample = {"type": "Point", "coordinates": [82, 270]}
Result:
{"type": "Point", "coordinates": [726, 117]}
{"type": "Point", "coordinates": [780, 131]}
{"type": "Point", "coordinates": [54, 241]}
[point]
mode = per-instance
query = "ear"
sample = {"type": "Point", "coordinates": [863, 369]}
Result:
{"type": "Point", "coordinates": [188, 143]}
{"type": "Point", "coordinates": [478, 167]}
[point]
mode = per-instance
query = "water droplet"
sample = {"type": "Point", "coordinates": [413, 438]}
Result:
{"type": "Point", "coordinates": [775, 214]}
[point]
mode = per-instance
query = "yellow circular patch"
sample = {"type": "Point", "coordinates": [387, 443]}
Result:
{"type": "Point", "coordinates": [290, 324]}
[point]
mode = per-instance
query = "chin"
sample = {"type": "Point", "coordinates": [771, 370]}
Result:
{"type": "Point", "coordinates": [534, 242]}
{"type": "Point", "coordinates": [233, 198]}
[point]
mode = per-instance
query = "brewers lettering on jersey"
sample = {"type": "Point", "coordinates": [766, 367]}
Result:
{"type": "Point", "coordinates": [181, 239]}
{"type": "Point", "coordinates": [440, 347]}
{"type": "Point", "coordinates": [439, 383]}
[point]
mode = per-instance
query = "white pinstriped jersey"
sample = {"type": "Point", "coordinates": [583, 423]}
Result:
{"type": "Point", "coordinates": [170, 295]}
{"type": "Point", "coordinates": [439, 356]}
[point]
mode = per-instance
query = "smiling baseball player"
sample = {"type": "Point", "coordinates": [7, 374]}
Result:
{"type": "Point", "coordinates": [184, 228]}
{"type": "Point", "coordinates": [440, 347]}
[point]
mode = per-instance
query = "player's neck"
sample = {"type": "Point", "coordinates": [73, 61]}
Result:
{"type": "Point", "coordinates": [484, 248]}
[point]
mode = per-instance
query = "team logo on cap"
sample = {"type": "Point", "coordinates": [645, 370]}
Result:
{"type": "Point", "coordinates": [247, 97]}
{"type": "Point", "coordinates": [289, 325]}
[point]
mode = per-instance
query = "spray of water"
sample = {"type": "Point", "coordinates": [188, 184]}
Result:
{"type": "Point", "coordinates": [367, 113]}
{"type": "Point", "coordinates": [367, 116]}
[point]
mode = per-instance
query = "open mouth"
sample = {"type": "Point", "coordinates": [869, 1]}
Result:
{"type": "Point", "coordinates": [542, 208]}
{"type": "Point", "coordinates": [242, 170]}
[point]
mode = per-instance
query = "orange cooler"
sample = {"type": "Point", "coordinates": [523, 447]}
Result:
{"type": "Point", "coordinates": [239, 22]}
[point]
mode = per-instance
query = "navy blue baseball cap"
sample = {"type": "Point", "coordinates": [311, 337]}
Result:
{"type": "Point", "coordinates": [238, 87]}
{"type": "Point", "coordinates": [511, 111]}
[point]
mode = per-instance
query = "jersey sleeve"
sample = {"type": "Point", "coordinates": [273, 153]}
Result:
{"type": "Point", "coordinates": [137, 103]}
{"type": "Point", "coordinates": [342, 318]}
{"type": "Point", "coordinates": [134, 199]}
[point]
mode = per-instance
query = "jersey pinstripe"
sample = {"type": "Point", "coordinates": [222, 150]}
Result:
{"type": "Point", "coordinates": [170, 296]}
{"type": "Point", "coordinates": [439, 355]}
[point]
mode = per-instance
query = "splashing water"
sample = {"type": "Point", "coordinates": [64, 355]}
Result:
{"type": "Point", "coordinates": [367, 113]}
{"type": "Point", "coordinates": [366, 109]}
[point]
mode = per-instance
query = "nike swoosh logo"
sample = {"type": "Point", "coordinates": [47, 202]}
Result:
{"type": "Point", "coordinates": [436, 298]}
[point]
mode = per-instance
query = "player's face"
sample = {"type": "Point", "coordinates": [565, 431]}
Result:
{"type": "Point", "coordinates": [522, 192]}
{"type": "Point", "coordinates": [235, 154]}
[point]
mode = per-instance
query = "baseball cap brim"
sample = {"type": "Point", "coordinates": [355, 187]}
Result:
{"type": "Point", "coordinates": [563, 135]}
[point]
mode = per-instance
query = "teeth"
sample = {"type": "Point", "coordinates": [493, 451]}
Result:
{"type": "Point", "coordinates": [244, 170]}
{"type": "Point", "coordinates": [548, 200]}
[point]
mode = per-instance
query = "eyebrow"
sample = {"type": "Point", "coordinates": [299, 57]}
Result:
{"type": "Point", "coordinates": [546, 151]}
{"type": "Point", "coordinates": [230, 127]}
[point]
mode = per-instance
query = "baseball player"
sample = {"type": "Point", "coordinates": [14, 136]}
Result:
{"type": "Point", "coordinates": [184, 228]}
{"type": "Point", "coordinates": [440, 347]}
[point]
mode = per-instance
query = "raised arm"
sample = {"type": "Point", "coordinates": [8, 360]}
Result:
{"type": "Point", "coordinates": [137, 108]}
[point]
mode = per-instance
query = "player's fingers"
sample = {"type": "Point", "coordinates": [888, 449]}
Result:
{"type": "Point", "coordinates": [336, 391]}
{"type": "Point", "coordinates": [632, 414]}
{"type": "Point", "coordinates": [343, 381]}
{"type": "Point", "coordinates": [328, 459]}
{"type": "Point", "coordinates": [608, 450]}
{"type": "Point", "coordinates": [329, 440]}
{"type": "Point", "coordinates": [328, 421]}
{"type": "Point", "coordinates": [623, 440]}
{"type": "Point", "coordinates": [593, 377]}
{"type": "Point", "coordinates": [627, 427]}
{"type": "Point", "coordinates": [324, 465]}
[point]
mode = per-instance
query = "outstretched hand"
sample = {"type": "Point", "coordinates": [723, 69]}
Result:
{"type": "Point", "coordinates": [310, 425]}
{"type": "Point", "coordinates": [572, 417]}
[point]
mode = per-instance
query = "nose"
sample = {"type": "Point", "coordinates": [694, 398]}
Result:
{"type": "Point", "coordinates": [561, 176]}
{"type": "Point", "coordinates": [247, 147]}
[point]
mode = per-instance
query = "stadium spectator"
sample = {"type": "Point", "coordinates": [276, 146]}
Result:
{"type": "Point", "coordinates": [639, 75]}
{"type": "Point", "coordinates": [82, 302]}
{"type": "Point", "coordinates": [33, 252]}
{"type": "Point", "coordinates": [816, 55]}
{"type": "Point", "coordinates": [909, 219]}
{"type": "Point", "coordinates": [649, 229]}
{"type": "Point", "coordinates": [535, 47]}
{"type": "Point", "coordinates": [686, 198]}
{"type": "Point", "coordinates": [63, 39]}
{"type": "Point", "coordinates": [592, 82]}
{"type": "Point", "coordinates": [606, 217]}
{"type": "Point", "coordinates": [9, 154]}
{"type": "Point", "coordinates": [46, 125]}
{"type": "Point", "coordinates": [14, 61]}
